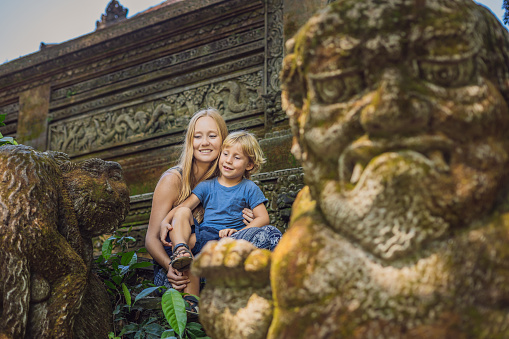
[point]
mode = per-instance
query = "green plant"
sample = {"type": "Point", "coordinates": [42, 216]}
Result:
{"type": "Point", "coordinates": [117, 266]}
{"type": "Point", "coordinates": [5, 140]}
{"type": "Point", "coordinates": [148, 329]}
{"type": "Point", "coordinates": [174, 310]}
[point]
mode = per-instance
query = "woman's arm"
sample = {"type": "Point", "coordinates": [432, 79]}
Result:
{"type": "Point", "coordinates": [165, 195]}
{"type": "Point", "coordinates": [248, 216]}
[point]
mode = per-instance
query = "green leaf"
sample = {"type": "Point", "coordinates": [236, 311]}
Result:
{"type": "Point", "coordinates": [127, 294]}
{"type": "Point", "coordinates": [127, 329]}
{"type": "Point", "coordinates": [145, 292]}
{"type": "Point", "coordinates": [2, 118]}
{"type": "Point", "coordinates": [116, 279]}
{"type": "Point", "coordinates": [110, 284]}
{"type": "Point", "coordinates": [174, 310]}
{"type": "Point", "coordinates": [107, 248]}
{"type": "Point", "coordinates": [7, 140]}
{"type": "Point", "coordinates": [142, 264]}
{"type": "Point", "coordinates": [191, 335]}
{"type": "Point", "coordinates": [117, 310]}
{"type": "Point", "coordinates": [154, 329]}
{"type": "Point", "coordinates": [168, 334]}
{"type": "Point", "coordinates": [127, 258]}
{"type": "Point", "coordinates": [123, 269]}
{"type": "Point", "coordinates": [196, 329]}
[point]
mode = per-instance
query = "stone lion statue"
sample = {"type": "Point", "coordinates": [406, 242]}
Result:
{"type": "Point", "coordinates": [400, 117]}
{"type": "Point", "coordinates": [50, 208]}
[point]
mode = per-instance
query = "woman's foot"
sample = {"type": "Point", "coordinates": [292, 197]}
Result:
{"type": "Point", "coordinates": [191, 307]}
{"type": "Point", "coordinates": [181, 258]}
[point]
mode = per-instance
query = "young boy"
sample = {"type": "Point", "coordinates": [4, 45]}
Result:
{"type": "Point", "coordinates": [223, 199]}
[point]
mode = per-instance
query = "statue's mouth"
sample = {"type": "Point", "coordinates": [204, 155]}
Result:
{"type": "Point", "coordinates": [436, 150]}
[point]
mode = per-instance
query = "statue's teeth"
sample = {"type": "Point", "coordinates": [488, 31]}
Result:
{"type": "Point", "coordinates": [356, 173]}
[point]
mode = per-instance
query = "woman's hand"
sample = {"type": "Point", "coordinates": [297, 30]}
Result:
{"type": "Point", "coordinates": [177, 279]}
{"type": "Point", "coordinates": [248, 216]}
{"type": "Point", "coordinates": [227, 232]}
{"type": "Point", "coordinates": [165, 228]}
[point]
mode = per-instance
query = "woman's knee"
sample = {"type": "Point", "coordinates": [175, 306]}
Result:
{"type": "Point", "coordinates": [183, 212]}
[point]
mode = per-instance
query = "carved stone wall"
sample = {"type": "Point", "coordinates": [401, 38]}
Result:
{"type": "Point", "coordinates": [126, 91]}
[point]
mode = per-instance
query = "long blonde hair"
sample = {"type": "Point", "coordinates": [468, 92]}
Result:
{"type": "Point", "coordinates": [187, 159]}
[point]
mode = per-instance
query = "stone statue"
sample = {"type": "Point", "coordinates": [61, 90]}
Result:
{"type": "Point", "coordinates": [50, 208]}
{"type": "Point", "coordinates": [400, 117]}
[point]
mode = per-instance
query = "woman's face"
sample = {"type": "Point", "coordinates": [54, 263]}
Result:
{"type": "Point", "coordinates": [206, 140]}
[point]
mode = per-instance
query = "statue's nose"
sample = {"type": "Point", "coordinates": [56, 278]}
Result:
{"type": "Point", "coordinates": [395, 108]}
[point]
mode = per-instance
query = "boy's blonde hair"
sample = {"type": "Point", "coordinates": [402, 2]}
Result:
{"type": "Point", "coordinates": [187, 158]}
{"type": "Point", "coordinates": [250, 147]}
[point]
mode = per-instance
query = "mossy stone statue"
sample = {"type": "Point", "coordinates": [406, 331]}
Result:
{"type": "Point", "coordinates": [50, 208]}
{"type": "Point", "coordinates": [399, 111]}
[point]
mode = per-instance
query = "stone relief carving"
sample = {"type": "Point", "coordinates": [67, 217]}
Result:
{"type": "Point", "coordinates": [160, 86]}
{"type": "Point", "coordinates": [274, 36]}
{"type": "Point", "coordinates": [10, 109]}
{"type": "Point", "coordinates": [155, 65]}
{"type": "Point", "coordinates": [50, 208]}
{"type": "Point", "coordinates": [233, 96]}
{"type": "Point", "coordinates": [76, 52]}
{"type": "Point", "coordinates": [399, 111]}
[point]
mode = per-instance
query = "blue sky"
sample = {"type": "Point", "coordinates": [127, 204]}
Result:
{"type": "Point", "coordinates": [24, 24]}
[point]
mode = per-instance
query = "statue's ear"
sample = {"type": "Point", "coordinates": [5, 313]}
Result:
{"type": "Point", "coordinates": [495, 54]}
{"type": "Point", "coordinates": [63, 161]}
{"type": "Point", "coordinates": [293, 84]}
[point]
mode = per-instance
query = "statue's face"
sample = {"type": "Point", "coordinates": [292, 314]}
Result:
{"type": "Point", "coordinates": [99, 194]}
{"type": "Point", "coordinates": [401, 136]}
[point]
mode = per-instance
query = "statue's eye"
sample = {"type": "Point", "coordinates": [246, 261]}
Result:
{"type": "Point", "coordinates": [448, 74]}
{"type": "Point", "coordinates": [330, 88]}
{"type": "Point", "coordinates": [116, 176]}
{"type": "Point", "coordinates": [93, 172]}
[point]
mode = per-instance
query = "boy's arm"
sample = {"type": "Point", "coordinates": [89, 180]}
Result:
{"type": "Point", "coordinates": [261, 217]}
{"type": "Point", "coordinates": [191, 202]}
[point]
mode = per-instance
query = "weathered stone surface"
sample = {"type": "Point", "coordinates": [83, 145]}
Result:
{"type": "Point", "coordinates": [241, 270]}
{"type": "Point", "coordinates": [50, 208]}
{"type": "Point", "coordinates": [399, 114]}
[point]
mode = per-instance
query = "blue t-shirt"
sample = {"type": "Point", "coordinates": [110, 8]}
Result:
{"type": "Point", "coordinates": [223, 205]}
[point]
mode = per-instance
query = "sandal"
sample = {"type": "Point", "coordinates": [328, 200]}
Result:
{"type": "Point", "coordinates": [191, 307]}
{"type": "Point", "coordinates": [179, 260]}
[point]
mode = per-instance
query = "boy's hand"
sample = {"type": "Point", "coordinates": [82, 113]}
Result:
{"type": "Point", "coordinates": [227, 232]}
{"type": "Point", "coordinates": [165, 228]}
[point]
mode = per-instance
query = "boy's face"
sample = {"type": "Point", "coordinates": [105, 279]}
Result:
{"type": "Point", "coordinates": [233, 162]}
